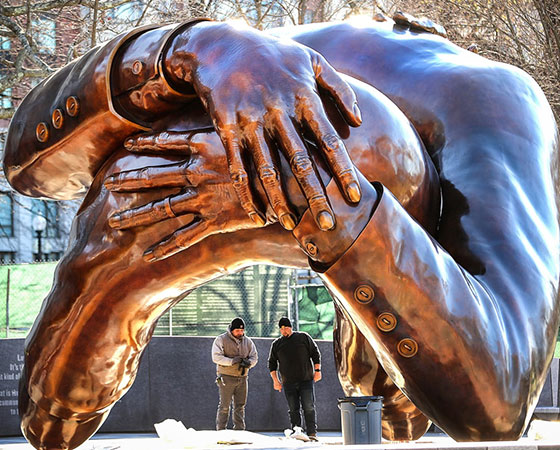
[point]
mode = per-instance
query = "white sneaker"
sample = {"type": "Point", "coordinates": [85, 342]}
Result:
{"type": "Point", "coordinates": [299, 435]}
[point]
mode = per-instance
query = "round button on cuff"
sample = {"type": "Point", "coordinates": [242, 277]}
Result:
{"type": "Point", "coordinates": [364, 293]}
{"type": "Point", "coordinates": [407, 348]}
{"type": "Point", "coordinates": [311, 249]}
{"type": "Point", "coordinates": [57, 119]}
{"type": "Point", "coordinates": [42, 132]}
{"type": "Point", "coordinates": [386, 322]}
{"type": "Point", "coordinates": [137, 67]}
{"type": "Point", "coordinates": [72, 106]}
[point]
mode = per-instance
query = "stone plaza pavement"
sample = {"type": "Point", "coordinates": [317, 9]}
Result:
{"type": "Point", "coordinates": [244, 440]}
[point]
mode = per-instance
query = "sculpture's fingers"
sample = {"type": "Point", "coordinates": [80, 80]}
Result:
{"type": "Point", "coordinates": [270, 178]}
{"type": "Point", "coordinates": [168, 208]}
{"type": "Point", "coordinates": [343, 95]}
{"type": "Point", "coordinates": [333, 148]}
{"type": "Point", "coordinates": [171, 175]}
{"type": "Point", "coordinates": [165, 142]}
{"type": "Point", "coordinates": [238, 175]}
{"type": "Point", "coordinates": [180, 240]}
{"type": "Point", "coordinates": [303, 170]}
{"type": "Point", "coordinates": [46, 431]}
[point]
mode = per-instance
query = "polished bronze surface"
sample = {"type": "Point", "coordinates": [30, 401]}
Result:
{"type": "Point", "coordinates": [360, 374]}
{"type": "Point", "coordinates": [473, 284]}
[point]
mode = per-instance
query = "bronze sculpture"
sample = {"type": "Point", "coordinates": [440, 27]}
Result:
{"type": "Point", "coordinates": [456, 309]}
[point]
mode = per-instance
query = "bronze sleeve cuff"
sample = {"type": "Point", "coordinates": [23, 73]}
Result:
{"type": "Point", "coordinates": [324, 247]}
{"type": "Point", "coordinates": [141, 91]}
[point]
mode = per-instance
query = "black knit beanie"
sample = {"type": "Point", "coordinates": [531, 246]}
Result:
{"type": "Point", "coordinates": [284, 322]}
{"type": "Point", "coordinates": [237, 323]}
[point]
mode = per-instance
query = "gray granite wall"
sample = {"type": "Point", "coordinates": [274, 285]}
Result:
{"type": "Point", "coordinates": [177, 380]}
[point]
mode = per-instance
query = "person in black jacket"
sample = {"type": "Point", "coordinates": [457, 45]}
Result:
{"type": "Point", "coordinates": [300, 367]}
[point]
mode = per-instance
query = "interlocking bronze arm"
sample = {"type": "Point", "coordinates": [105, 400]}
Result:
{"type": "Point", "coordinates": [112, 260]}
{"type": "Point", "coordinates": [493, 140]}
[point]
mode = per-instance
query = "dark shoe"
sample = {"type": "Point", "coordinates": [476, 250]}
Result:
{"type": "Point", "coordinates": [313, 438]}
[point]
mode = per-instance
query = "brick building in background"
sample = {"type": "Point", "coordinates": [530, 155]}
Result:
{"type": "Point", "coordinates": [35, 229]}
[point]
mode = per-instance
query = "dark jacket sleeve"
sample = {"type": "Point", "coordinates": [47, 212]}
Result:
{"type": "Point", "coordinates": [272, 358]}
{"type": "Point", "coordinates": [314, 352]}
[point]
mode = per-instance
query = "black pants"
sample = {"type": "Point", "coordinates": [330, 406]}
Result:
{"type": "Point", "coordinates": [302, 394]}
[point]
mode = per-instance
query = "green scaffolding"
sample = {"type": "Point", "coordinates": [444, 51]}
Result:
{"type": "Point", "coordinates": [315, 311]}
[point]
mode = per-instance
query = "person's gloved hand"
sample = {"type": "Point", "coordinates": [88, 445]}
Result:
{"type": "Point", "coordinates": [236, 360]}
{"type": "Point", "coordinates": [245, 362]}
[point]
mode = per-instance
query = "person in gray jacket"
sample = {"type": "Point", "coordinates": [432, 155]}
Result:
{"type": "Point", "coordinates": [234, 354]}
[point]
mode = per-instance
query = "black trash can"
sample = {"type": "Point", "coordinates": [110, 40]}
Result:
{"type": "Point", "coordinates": [361, 419]}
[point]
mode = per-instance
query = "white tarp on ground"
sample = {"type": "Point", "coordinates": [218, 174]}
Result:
{"type": "Point", "coordinates": [544, 430]}
{"type": "Point", "coordinates": [177, 436]}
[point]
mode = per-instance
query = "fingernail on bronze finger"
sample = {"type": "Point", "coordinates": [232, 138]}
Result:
{"type": "Point", "coordinates": [288, 221]}
{"type": "Point", "coordinates": [354, 193]}
{"type": "Point", "coordinates": [109, 182]}
{"type": "Point", "coordinates": [129, 143]}
{"type": "Point", "coordinates": [258, 219]}
{"type": "Point", "coordinates": [325, 220]}
{"type": "Point", "coordinates": [149, 256]}
{"type": "Point", "coordinates": [115, 221]}
{"type": "Point", "coordinates": [357, 112]}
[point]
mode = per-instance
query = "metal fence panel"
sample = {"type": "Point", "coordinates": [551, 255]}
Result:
{"type": "Point", "coordinates": [259, 294]}
{"type": "Point", "coordinates": [22, 290]}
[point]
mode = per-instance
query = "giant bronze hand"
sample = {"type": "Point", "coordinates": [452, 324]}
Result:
{"type": "Point", "coordinates": [206, 192]}
{"type": "Point", "coordinates": [259, 92]}
{"type": "Point", "coordinates": [206, 197]}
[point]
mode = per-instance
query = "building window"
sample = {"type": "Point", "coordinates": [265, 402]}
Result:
{"type": "Point", "coordinates": [44, 34]}
{"type": "Point", "coordinates": [5, 43]}
{"type": "Point", "coordinates": [127, 12]}
{"type": "Point", "coordinates": [47, 256]}
{"type": "Point", "coordinates": [6, 214]}
{"type": "Point", "coordinates": [6, 99]}
{"type": "Point", "coordinates": [7, 257]}
{"type": "Point", "coordinates": [50, 211]}
{"type": "Point", "coordinates": [308, 16]}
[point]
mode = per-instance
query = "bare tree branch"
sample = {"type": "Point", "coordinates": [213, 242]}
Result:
{"type": "Point", "coordinates": [12, 11]}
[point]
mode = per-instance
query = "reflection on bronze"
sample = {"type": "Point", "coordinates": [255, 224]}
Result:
{"type": "Point", "coordinates": [360, 374]}
{"type": "Point", "coordinates": [165, 216]}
